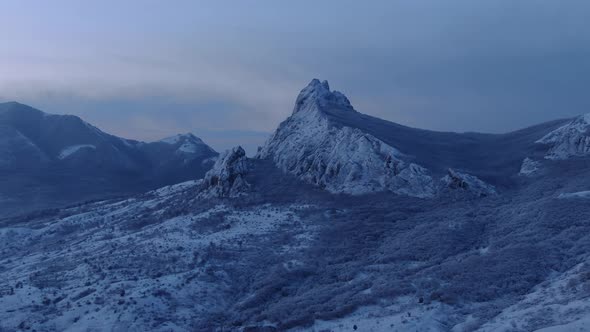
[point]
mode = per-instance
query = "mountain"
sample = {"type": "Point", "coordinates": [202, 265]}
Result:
{"type": "Point", "coordinates": [323, 231]}
{"type": "Point", "coordinates": [50, 159]}
{"type": "Point", "coordinates": [328, 143]}
{"type": "Point", "coordinates": [179, 158]}
{"type": "Point", "coordinates": [60, 138]}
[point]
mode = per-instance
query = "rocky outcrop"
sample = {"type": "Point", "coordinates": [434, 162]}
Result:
{"type": "Point", "coordinates": [227, 177]}
{"type": "Point", "coordinates": [570, 140]}
{"type": "Point", "coordinates": [529, 167]}
{"type": "Point", "coordinates": [462, 182]}
{"type": "Point", "coordinates": [338, 158]}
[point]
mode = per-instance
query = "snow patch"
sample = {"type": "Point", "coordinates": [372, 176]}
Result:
{"type": "Point", "coordinates": [70, 150]}
{"type": "Point", "coordinates": [579, 194]}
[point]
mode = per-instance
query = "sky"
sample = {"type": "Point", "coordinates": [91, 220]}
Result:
{"type": "Point", "coordinates": [229, 71]}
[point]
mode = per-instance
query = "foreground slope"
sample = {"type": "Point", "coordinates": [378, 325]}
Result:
{"type": "Point", "coordinates": [173, 260]}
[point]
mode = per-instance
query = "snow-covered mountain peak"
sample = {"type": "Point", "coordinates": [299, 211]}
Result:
{"type": "Point", "coordinates": [570, 140]}
{"type": "Point", "coordinates": [188, 144]}
{"type": "Point", "coordinates": [181, 137]}
{"type": "Point", "coordinates": [339, 158]}
{"type": "Point", "coordinates": [226, 178]}
{"type": "Point", "coordinates": [317, 96]}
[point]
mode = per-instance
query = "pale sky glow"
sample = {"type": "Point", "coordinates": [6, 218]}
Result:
{"type": "Point", "coordinates": [149, 69]}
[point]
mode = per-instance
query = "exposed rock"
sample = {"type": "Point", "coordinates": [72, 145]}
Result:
{"type": "Point", "coordinates": [467, 183]}
{"type": "Point", "coordinates": [571, 140]}
{"type": "Point", "coordinates": [529, 167]}
{"type": "Point", "coordinates": [226, 178]}
{"type": "Point", "coordinates": [338, 158]}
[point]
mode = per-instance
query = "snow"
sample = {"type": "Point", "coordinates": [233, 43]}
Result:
{"type": "Point", "coordinates": [173, 139]}
{"type": "Point", "coordinates": [70, 150]}
{"type": "Point", "coordinates": [461, 181]}
{"type": "Point", "coordinates": [188, 144]}
{"type": "Point", "coordinates": [558, 305]}
{"type": "Point", "coordinates": [175, 188]}
{"type": "Point", "coordinates": [81, 261]}
{"type": "Point", "coordinates": [182, 137]}
{"type": "Point", "coordinates": [227, 177]}
{"type": "Point", "coordinates": [188, 148]}
{"type": "Point", "coordinates": [570, 140]}
{"type": "Point", "coordinates": [579, 194]}
{"type": "Point", "coordinates": [529, 167]}
{"type": "Point", "coordinates": [338, 158]}
{"type": "Point", "coordinates": [580, 325]}
{"type": "Point", "coordinates": [404, 315]}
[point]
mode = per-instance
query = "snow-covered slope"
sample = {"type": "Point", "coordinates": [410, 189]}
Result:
{"type": "Point", "coordinates": [570, 140]}
{"type": "Point", "coordinates": [563, 300]}
{"type": "Point", "coordinates": [188, 144]}
{"type": "Point", "coordinates": [295, 257]}
{"type": "Point", "coordinates": [338, 158]}
{"type": "Point", "coordinates": [154, 262]}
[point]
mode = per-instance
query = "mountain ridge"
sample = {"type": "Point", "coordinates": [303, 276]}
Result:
{"type": "Point", "coordinates": [62, 152]}
{"type": "Point", "coordinates": [323, 132]}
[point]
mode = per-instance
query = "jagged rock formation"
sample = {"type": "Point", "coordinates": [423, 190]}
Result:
{"type": "Point", "coordinates": [529, 167]}
{"type": "Point", "coordinates": [571, 140]}
{"type": "Point", "coordinates": [226, 178]}
{"type": "Point", "coordinates": [339, 158]}
{"type": "Point", "coordinates": [467, 183]}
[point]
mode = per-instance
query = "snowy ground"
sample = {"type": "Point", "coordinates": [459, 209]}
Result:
{"type": "Point", "coordinates": [129, 265]}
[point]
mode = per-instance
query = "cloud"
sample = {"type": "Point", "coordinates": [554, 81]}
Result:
{"type": "Point", "coordinates": [460, 65]}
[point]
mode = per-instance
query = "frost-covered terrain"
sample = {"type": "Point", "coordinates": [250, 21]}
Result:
{"type": "Point", "coordinates": [342, 222]}
{"type": "Point", "coordinates": [286, 255]}
{"type": "Point", "coordinates": [160, 261]}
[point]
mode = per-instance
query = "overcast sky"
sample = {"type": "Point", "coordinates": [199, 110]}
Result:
{"type": "Point", "coordinates": [229, 71]}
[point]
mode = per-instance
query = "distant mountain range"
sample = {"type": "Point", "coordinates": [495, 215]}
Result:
{"type": "Point", "coordinates": [49, 160]}
{"type": "Point", "coordinates": [341, 222]}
